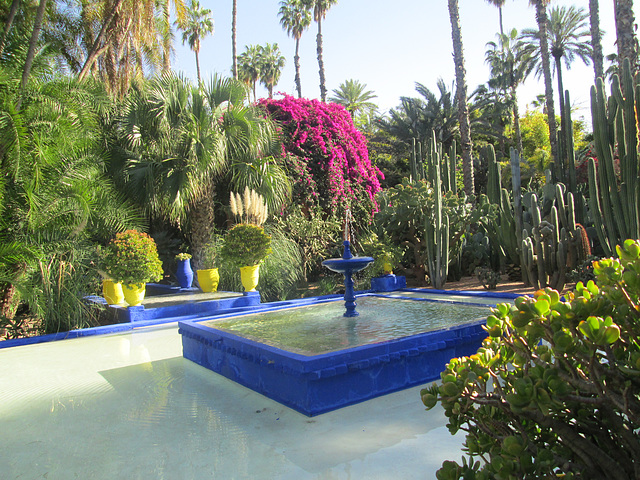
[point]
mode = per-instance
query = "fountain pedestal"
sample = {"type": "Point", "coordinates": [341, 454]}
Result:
{"type": "Point", "coordinates": [348, 265]}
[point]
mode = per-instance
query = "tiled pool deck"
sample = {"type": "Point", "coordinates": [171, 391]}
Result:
{"type": "Point", "coordinates": [128, 405]}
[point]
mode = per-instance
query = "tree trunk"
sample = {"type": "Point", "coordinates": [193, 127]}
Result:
{"type": "Point", "coordinates": [543, 21]}
{"type": "Point", "coordinates": [516, 121]}
{"type": "Point", "coordinates": [197, 66]}
{"type": "Point", "coordinates": [166, 39]}
{"type": "Point", "coordinates": [596, 39]}
{"type": "Point", "coordinates": [323, 89]}
{"type": "Point", "coordinates": [234, 52]}
{"type": "Point", "coordinates": [562, 157]}
{"type": "Point", "coordinates": [93, 53]}
{"type": "Point", "coordinates": [461, 94]}
{"type": "Point", "coordinates": [625, 35]}
{"type": "Point", "coordinates": [201, 217]}
{"type": "Point", "coordinates": [8, 24]}
{"type": "Point", "coordinates": [31, 53]}
{"type": "Point", "coordinates": [296, 61]}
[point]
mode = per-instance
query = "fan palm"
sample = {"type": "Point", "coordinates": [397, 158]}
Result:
{"type": "Point", "coordinates": [165, 29]}
{"type": "Point", "coordinates": [271, 64]}
{"type": "Point", "coordinates": [461, 95]}
{"type": "Point", "coordinates": [295, 18]}
{"type": "Point", "coordinates": [234, 54]}
{"type": "Point", "coordinates": [249, 67]}
{"type": "Point", "coordinates": [352, 95]}
{"type": "Point", "coordinates": [176, 143]}
{"type": "Point", "coordinates": [510, 66]}
{"type": "Point", "coordinates": [197, 25]}
{"type": "Point", "coordinates": [320, 9]}
{"type": "Point", "coordinates": [569, 38]}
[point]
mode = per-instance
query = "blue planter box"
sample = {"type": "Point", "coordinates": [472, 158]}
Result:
{"type": "Point", "coordinates": [388, 283]}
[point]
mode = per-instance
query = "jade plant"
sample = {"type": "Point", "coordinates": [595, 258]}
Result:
{"type": "Point", "coordinates": [554, 391]}
{"type": "Point", "coordinates": [245, 245]}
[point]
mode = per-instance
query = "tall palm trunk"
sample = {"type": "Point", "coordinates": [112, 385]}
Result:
{"type": "Point", "coordinates": [234, 52]}
{"type": "Point", "coordinates": [198, 66]}
{"type": "Point", "coordinates": [543, 21]}
{"type": "Point", "coordinates": [461, 94]}
{"type": "Point", "coordinates": [201, 217]}
{"type": "Point", "coordinates": [625, 34]}
{"type": "Point", "coordinates": [31, 52]}
{"type": "Point", "coordinates": [596, 39]}
{"type": "Point", "coordinates": [9, 23]}
{"type": "Point", "coordinates": [95, 48]}
{"type": "Point", "coordinates": [516, 120]}
{"type": "Point", "coordinates": [166, 38]}
{"type": "Point", "coordinates": [323, 88]}
{"type": "Point", "coordinates": [563, 162]}
{"type": "Point", "coordinates": [296, 61]}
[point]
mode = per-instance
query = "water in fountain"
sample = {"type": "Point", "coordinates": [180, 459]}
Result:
{"type": "Point", "coordinates": [348, 265]}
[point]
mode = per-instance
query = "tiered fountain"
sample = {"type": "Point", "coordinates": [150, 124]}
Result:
{"type": "Point", "coordinates": [348, 265]}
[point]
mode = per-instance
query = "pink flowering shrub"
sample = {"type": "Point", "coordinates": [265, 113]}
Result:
{"type": "Point", "coordinates": [326, 156]}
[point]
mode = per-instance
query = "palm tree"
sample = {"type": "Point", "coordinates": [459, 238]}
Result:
{"type": "Point", "coordinates": [625, 34]}
{"type": "Point", "coordinates": [543, 42]}
{"type": "Point", "coordinates": [271, 64]}
{"type": "Point", "coordinates": [510, 65]}
{"type": "Point", "coordinates": [499, 4]}
{"type": "Point", "coordinates": [165, 29]}
{"type": "Point", "coordinates": [197, 25]}
{"type": "Point", "coordinates": [176, 144]}
{"type": "Point", "coordinates": [234, 54]}
{"type": "Point", "coordinates": [33, 43]}
{"type": "Point", "coordinates": [416, 118]}
{"type": "Point", "coordinates": [11, 15]}
{"type": "Point", "coordinates": [461, 94]}
{"type": "Point", "coordinates": [568, 35]}
{"type": "Point", "coordinates": [596, 39]}
{"type": "Point", "coordinates": [295, 18]}
{"type": "Point", "coordinates": [249, 67]}
{"type": "Point", "coordinates": [353, 96]}
{"type": "Point", "coordinates": [320, 9]}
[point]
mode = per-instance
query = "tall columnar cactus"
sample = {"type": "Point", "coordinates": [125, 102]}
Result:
{"type": "Point", "coordinates": [544, 250]}
{"type": "Point", "coordinates": [615, 204]}
{"type": "Point", "coordinates": [437, 228]}
{"type": "Point", "coordinates": [416, 163]}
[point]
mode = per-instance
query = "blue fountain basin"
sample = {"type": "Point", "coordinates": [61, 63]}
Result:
{"type": "Point", "coordinates": [342, 265]}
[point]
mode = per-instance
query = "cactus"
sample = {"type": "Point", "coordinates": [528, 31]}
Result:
{"type": "Point", "coordinates": [437, 229]}
{"type": "Point", "coordinates": [615, 206]}
{"type": "Point", "coordinates": [416, 163]}
{"type": "Point", "coordinates": [544, 251]}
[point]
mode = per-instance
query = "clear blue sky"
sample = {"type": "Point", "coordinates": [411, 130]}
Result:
{"type": "Point", "coordinates": [386, 45]}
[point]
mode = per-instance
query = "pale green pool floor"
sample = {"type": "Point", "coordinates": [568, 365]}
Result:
{"type": "Point", "coordinates": [129, 406]}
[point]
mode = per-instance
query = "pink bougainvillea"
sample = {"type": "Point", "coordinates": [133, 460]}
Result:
{"type": "Point", "coordinates": [325, 154]}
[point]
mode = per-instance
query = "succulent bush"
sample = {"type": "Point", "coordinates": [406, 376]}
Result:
{"type": "Point", "coordinates": [554, 391]}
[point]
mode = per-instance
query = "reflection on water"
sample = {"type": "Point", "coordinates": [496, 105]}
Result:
{"type": "Point", "coordinates": [322, 328]}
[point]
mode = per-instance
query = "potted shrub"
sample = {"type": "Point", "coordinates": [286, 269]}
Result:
{"type": "Point", "coordinates": [208, 276]}
{"type": "Point", "coordinates": [184, 272]}
{"type": "Point", "coordinates": [131, 258]}
{"type": "Point", "coordinates": [246, 246]}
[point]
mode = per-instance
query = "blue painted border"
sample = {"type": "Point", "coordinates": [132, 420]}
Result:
{"type": "Point", "coordinates": [229, 311]}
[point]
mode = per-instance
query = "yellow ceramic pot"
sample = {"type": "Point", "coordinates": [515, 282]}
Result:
{"type": "Point", "coordinates": [387, 268]}
{"type": "Point", "coordinates": [208, 279]}
{"type": "Point", "coordinates": [112, 292]}
{"type": "Point", "coordinates": [249, 277]}
{"type": "Point", "coordinates": [134, 293]}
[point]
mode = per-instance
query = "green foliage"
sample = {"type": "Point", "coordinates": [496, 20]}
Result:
{"type": "Point", "coordinates": [555, 388]}
{"type": "Point", "coordinates": [211, 252]}
{"type": "Point", "coordinates": [315, 234]}
{"type": "Point", "coordinates": [132, 258]}
{"type": "Point", "coordinates": [280, 272]}
{"type": "Point", "coordinates": [245, 245]}
{"type": "Point", "coordinates": [383, 251]}
{"type": "Point", "coordinates": [406, 208]}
